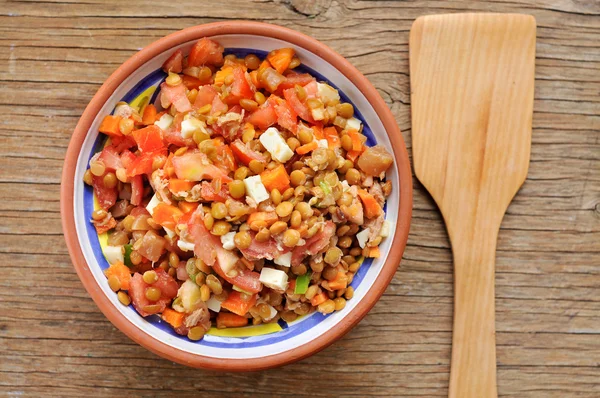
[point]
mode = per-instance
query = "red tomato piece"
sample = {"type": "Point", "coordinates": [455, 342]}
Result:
{"type": "Point", "coordinates": [245, 279]}
{"type": "Point", "coordinates": [262, 250]}
{"type": "Point", "coordinates": [292, 79]}
{"type": "Point", "coordinates": [191, 82]}
{"type": "Point", "coordinates": [123, 142]}
{"type": "Point", "coordinates": [209, 193]}
{"type": "Point", "coordinates": [143, 163]}
{"type": "Point", "coordinates": [107, 197]}
{"type": "Point", "coordinates": [218, 106]}
{"type": "Point", "coordinates": [149, 138]}
{"type": "Point", "coordinates": [206, 95]}
{"type": "Point", "coordinates": [176, 96]}
{"type": "Point", "coordinates": [205, 243]}
{"type": "Point", "coordinates": [263, 117]}
{"type": "Point", "coordinates": [137, 190]}
{"type": "Point", "coordinates": [286, 117]}
{"type": "Point", "coordinates": [245, 154]}
{"type": "Point", "coordinates": [240, 88]}
{"type": "Point", "coordinates": [311, 89]}
{"type": "Point", "coordinates": [206, 52]}
{"type": "Point", "coordinates": [174, 63]}
{"type": "Point", "coordinates": [137, 291]}
{"type": "Point", "coordinates": [127, 158]}
{"type": "Point", "coordinates": [315, 244]}
{"type": "Point", "coordinates": [195, 166]}
{"type": "Point", "coordinates": [110, 157]}
{"type": "Point", "coordinates": [225, 159]}
{"type": "Point", "coordinates": [298, 106]}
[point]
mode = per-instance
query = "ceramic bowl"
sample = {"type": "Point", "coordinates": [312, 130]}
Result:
{"type": "Point", "coordinates": [252, 347]}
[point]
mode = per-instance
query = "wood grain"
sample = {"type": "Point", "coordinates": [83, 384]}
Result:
{"type": "Point", "coordinates": [471, 77]}
{"type": "Point", "coordinates": [54, 341]}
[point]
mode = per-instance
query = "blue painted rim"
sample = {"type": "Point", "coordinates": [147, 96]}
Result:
{"type": "Point", "coordinates": [288, 331]}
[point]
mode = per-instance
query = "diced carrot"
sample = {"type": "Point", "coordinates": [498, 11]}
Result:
{"type": "Point", "coordinates": [191, 82]}
{"type": "Point", "coordinates": [166, 215]}
{"type": "Point", "coordinates": [110, 126]}
{"type": "Point", "coordinates": [173, 317]}
{"type": "Point", "coordinates": [149, 116]}
{"type": "Point", "coordinates": [229, 320]}
{"type": "Point", "coordinates": [374, 252]}
{"type": "Point", "coordinates": [281, 58]}
{"type": "Point", "coordinates": [357, 144]}
{"type": "Point", "coordinates": [340, 281]}
{"type": "Point", "coordinates": [353, 155]}
{"type": "Point", "coordinates": [110, 224]}
{"type": "Point", "coordinates": [306, 148]}
{"type": "Point", "coordinates": [317, 129]}
{"type": "Point", "coordinates": [237, 305]}
{"type": "Point", "coordinates": [292, 285]}
{"type": "Point", "coordinates": [188, 207]}
{"type": "Point", "coordinates": [276, 178]}
{"type": "Point", "coordinates": [268, 217]}
{"type": "Point", "coordinates": [318, 299]}
{"type": "Point", "coordinates": [332, 137]}
{"type": "Point", "coordinates": [372, 208]}
{"type": "Point", "coordinates": [179, 185]}
{"type": "Point", "coordinates": [222, 74]}
{"type": "Point", "coordinates": [122, 272]}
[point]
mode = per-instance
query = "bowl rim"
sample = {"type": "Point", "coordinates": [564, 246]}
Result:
{"type": "Point", "coordinates": [341, 64]}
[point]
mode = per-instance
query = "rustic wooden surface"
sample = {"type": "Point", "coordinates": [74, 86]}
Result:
{"type": "Point", "coordinates": [54, 341]}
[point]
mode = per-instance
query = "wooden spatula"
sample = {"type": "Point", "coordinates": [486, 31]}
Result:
{"type": "Point", "coordinates": [471, 79]}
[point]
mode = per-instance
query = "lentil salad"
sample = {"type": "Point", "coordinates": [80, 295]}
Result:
{"type": "Point", "coordinates": [246, 195]}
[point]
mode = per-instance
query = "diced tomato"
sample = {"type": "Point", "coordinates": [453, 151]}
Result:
{"type": "Point", "coordinates": [173, 134]}
{"type": "Point", "coordinates": [286, 117]}
{"type": "Point", "coordinates": [176, 96]}
{"type": "Point", "coordinates": [311, 89]}
{"type": "Point", "coordinates": [105, 226]}
{"type": "Point", "coordinates": [191, 82]}
{"type": "Point", "coordinates": [127, 158]}
{"type": "Point", "coordinates": [137, 291]}
{"type": "Point", "coordinates": [110, 157]}
{"type": "Point", "coordinates": [315, 244]}
{"type": "Point", "coordinates": [195, 166]}
{"type": "Point", "coordinates": [205, 243]}
{"type": "Point", "coordinates": [292, 79]}
{"type": "Point", "coordinates": [206, 95]}
{"type": "Point", "coordinates": [208, 191]}
{"type": "Point", "coordinates": [139, 211]}
{"type": "Point", "coordinates": [246, 280]}
{"type": "Point", "coordinates": [123, 142]}
{"type": "Point", "coordinates": [137, 190]}
{"type": "Point", "coordinates": [218, 106]}
{"type": "Point", "coordinates": [107, 197]}
{"type": "Point", "coordinates": [149, 138]}
{"type": "Point", "coordinates": [143, 163]}
{"type": "Point", "coordinates": [225, 159]}
{"type": "Point", "coordinates": [262, 250]}
{"type": "Point", "coordinates": [263, 117]}
{"type": "Point", "coordinates": [240, 88]}
{"type": "Point", "coordinates": [236, 304]}
{"type": "Point", "coordinates": [206, 52]}
{"type": "Point", "coordinates": [244, 154]}
{"type": "Point", "coordinates": [294, 102]}
{"type": "Point", "coordinates": [174, 63]}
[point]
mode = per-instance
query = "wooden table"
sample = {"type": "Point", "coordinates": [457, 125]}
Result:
{"type": "Point", "coordinates": [55, 342]}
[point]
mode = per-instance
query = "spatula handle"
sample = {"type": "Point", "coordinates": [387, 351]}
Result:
{"type": "Point", "coordinates": [473, 366]}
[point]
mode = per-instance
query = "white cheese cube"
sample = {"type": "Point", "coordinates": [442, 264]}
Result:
{"type": "Point", "coordinates": [164, 122]}
{"type": "Point", "coordinates": [276, 145]}
{"type": "Point", "coordinates": [345, 186]}
{"type": "Point", "coordinates": [213, 304]}
{"type": "Point", "coordinates": [385, 229]}
{"type": "Point", "coordinates": [227, 241]}
{"type": "Point", "coordinates": [190, 126]}
{"type": "Point", "coordinates": [152, 204]}
{"type": "Point", "coordinates": [170, 233]}
{"type": "Point", "coordinates": [114, 254]}
{"type": "Point", "coordinates": [323, 144]}
{"type": "Point", "coordinates": [255, 189]}
{"type": "Point", "coordinates": [284, 259]}
{"type": "Point", "coordinates": [327, 93]}
{"type": "Point", "coordinates": [353, 124]}
{"type": "Point", "coordinates": [185, 246]}
{"type": "Point", "coordinates": [274, 278]}
{"type": "Point", "coordinates": [362, 237]}
{"type": "Point", "coordinates": [318, 113]}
